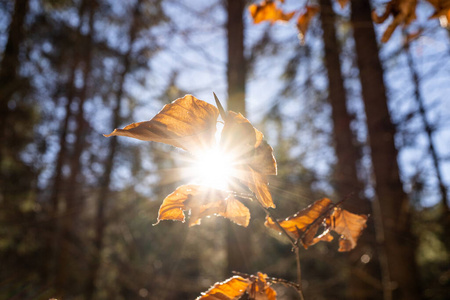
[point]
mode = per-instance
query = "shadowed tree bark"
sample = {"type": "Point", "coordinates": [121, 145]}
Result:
{"type": "Point", "coordinates": [394, 214]}
{"type": "Point", "coordinates": [345, 176]}
{"type": "Point", "coordinates": [10, 82]}
{"type": "Point", "coordinates": [72, 195]}
{"type": "Point", "coordinates": [238, 246]}
{"type": "Point", "coordinates": [104, 194]}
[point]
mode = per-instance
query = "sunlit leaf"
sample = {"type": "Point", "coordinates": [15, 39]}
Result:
{"type": "Point", "coordinates": [403, 11]}
{"type": "Point", "coordinates": [268, 11]}
{"type": "Point", "coordinates": [305, 224]}
{"type": "Point", "coordinates": [304, 20]}
{"type": "Point", "coordinates": [229, 289]}
{"type": "Point", "coordinates": [348, 225]}
{"type": "Point", "coordinates": [239, 137]}
{"type": "Point", "coordinates": [257, 288]}
{"type": "Point", "coordinates": [202, 201]}
{"type": "Point", "coordinates": [258, 184]}
{"type": "Point", "coordinates": [260, 288]}
{"type": "Point", "coordinates": [187, 123]}
{"type": "Point", "coordinates": [263, 160]}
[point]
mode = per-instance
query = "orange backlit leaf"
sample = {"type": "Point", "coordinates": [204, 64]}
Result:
{"type": "Point", "coordinates": [258, 184]}
{"type": "Point", "coordinates": [229, 289]}
{"type": "Point", "coordinates": [238, 135]}
{"type": "Point", "coordinates": [260, 289]}
{"type": "Point", "coordinates": [202, 201]}
{"type": "Point", "coordinates": [305, 223]}
{"type": "Point", "coordinates": [348, 225]}
{"type": "Point", "coordinates": [268, 11]}
{"type": "Point", "coordinates": [304, 20]}
{"type": "Point", "coordinates": [187, 123]}
{"type": "Point", "coordinates": [256, 287]}
{"type": "Point", "coordinates": [263, 160]}
{"type": "Point", "coordinates": [403, 11]}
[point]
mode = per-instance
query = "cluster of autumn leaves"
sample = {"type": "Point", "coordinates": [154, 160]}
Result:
{"type": "Point", "coordinates": [190, 124]}
{"type": "Point", "coordinates": [403, 12]}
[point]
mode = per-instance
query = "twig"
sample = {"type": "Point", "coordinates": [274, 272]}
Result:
{"type": "Point", "coordinates": [271, 280]}
{"type": "Point", "coordinates": [291, 239]}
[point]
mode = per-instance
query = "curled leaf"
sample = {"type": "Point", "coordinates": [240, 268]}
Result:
{"type": "Point", "coordinates": [263, 160]}
{"type": "Point", "coordinates": [187, 123]}
{"type": "Point", "coordinates": [258, 184]}
{"type": "Point", "coordinates": [202, 201]}
{"type": "Point", "coordinates": [239, 137]}
{"type": "Point", "coordinates": [348, 225]}
{"type": "Point", "coordinates": [305, 224]}
{"type": "Point", "coordinates": [257, 287]}
{"type": "Point", "coordinates": [231, 288]}
{"type": "Point", "coordinates": [403, 11]}
{"type": "Point", "coordinates": [268, 11]}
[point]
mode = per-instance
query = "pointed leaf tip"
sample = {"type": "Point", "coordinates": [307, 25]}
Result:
{"type": "Point", "coordinates": [222, 112]}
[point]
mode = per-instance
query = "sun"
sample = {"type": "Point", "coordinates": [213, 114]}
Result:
{"type": "Point", "coordinates": [213, 168]}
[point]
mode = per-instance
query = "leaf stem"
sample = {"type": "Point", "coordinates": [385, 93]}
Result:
{"type": "Point", "coordinates": [291, 239]}
{"type": "Point", "coordinates": [299, 272]}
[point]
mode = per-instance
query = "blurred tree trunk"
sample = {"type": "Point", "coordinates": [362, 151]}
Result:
{"type": "Point", "coordinates": [104, 194]}
{"type": "Point", "coordinates": [345, 176]}
{"type": "Point", "coordinates": [399, 243]}
{"type": "Point", "coordinates": [57, 186]}
{"type": "Point", "coordinates": [9, 66]}
{"type": "Point", "coordinates": [429, 131]}
{"type": "Point", "coordinates": [238, 238]}
{"type": "Point", "coordinates": [73, 205]}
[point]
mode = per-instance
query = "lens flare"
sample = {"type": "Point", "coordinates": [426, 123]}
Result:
{"type": "Point", "coordinates": [213, 168]}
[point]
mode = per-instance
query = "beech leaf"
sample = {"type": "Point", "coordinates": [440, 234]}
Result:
{"type": "Point", "coordinates": [403, 11]}
{"type": "Point", "coordinates": [239, 137]}
{"type": "Point", "coordinates": [233, 288]}
{"type": "Point", "coordinates": [305, 224]}
{"type": "Point", "coordinates": [268, 11]}
{"type": "Point", "coordinates": [187, 123]}
{"type": "Point", "coordinates": [259, 185]}
{"type": "Point", "coordinates": [202, 201]}
{"type": "Point", "coordinates": [263, 160]}
{"type": "Point", "coordinates": [348, 225]}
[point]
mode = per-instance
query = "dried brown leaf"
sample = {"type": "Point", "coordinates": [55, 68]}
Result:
{"type": "Point", "coordinates": [258, 184]}
{"type": "Point", "coordinates": [403, 11]}
{"type": "Point", "coordinates": [257, 288]}
{"type": "Point", "coordinates": [268, 11]}
{"type": "Point", "coordinates": [305, 223]}
{"type": "Point", "coordinates": [229, 289]}
{"type": "Point", "coordinates": [187, 123]}
{"type": "Point", "coordinates": [202, 201]}
{"type": "Point", "coordinates": [263, 160]}
{"type": "Point", "coordinates": [349, 226]}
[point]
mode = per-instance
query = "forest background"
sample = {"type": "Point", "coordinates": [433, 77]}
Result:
{"type": "Point", "coordinates": [345, 114]}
